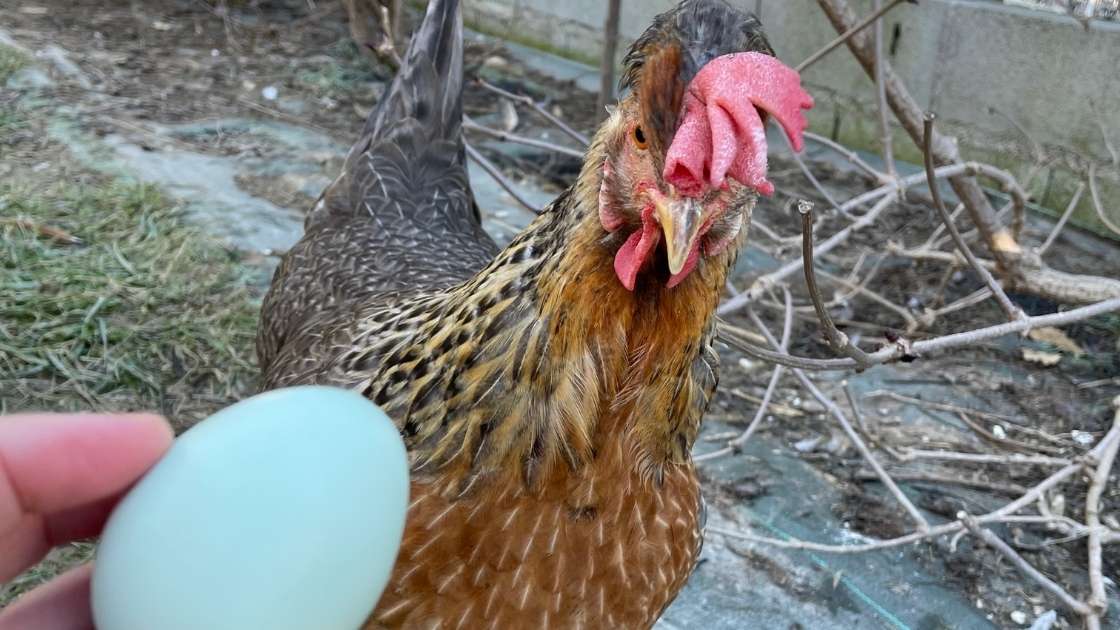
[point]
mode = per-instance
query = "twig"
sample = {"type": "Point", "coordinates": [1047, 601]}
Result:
{"type": "Point", "coordinates": [1105, 135]}
{"type": "Point", "coordinates": [1036, 146]}
{"type": "Point", "coordinates": [837, 413]}
{"type": "Point", "coordinates": [1019, 270]}
{"type": "Point", "coordinates": [1062, 221]}
{"type": "Point", "coordinates": [968, 301]}
{"type": "Point", "coordinates": [1006, 442]}
{"type": "Point", "coordinates": [1097, 205]}
{"type": "Point", "coordinates": [813, 179]}
{"type": "Point", "coordinates": [856, 411]}
{"type": "Point", "coordinates": [1013, 312]}
{"type": "Point", "coordinates": [951, 480]}
{"type": "Point", "coordinates": [281, 115]}
{"type": "Point", "coordinates": [883, 196]}
{"type": "Point", "coordinates": [881, 92]}
{"type": "Point", "coordinates": [861, 289]}
{"type": "Point", "coordinates": [387, 49]}
{"type": "Point", "coordinates": [838, 340]}
{"type": "Point", "coordinates": [469, 123]}
{"type": "Point", "coordinates": [540, 109]}
{"type": "Point", "coordinates": [606, 63]}
{"type": "Point", "coordinates": [898, 351]}
{"type": "Point", "coordinates": [493, 172]}
{"type": "Point", "coordinates": [1098, 600]}
{"type": "Point", "coordinates": [996, 516]}
{"type": "Point", "coordinates": [53, 233]}
{"type": "Point", "coordinates": [852, 156]}
{"type": "Point", "coordinates": [776, 408]}
{"type": "Point", "coordinates": [862, 24]}
{"type": "Point", "coordinates": [931, 242]}
{"type": "Point", "coordinates": [929, 404]}
{"type": "Point", "coordinates": [736, 445]}
{"type": "Point", "coordinates": [1025, 567]}
{"type": "Point", "coordinates": [983, 458]}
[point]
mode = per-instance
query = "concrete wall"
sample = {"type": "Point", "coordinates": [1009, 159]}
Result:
{"type": "Point", "coordinates": [979, 65]}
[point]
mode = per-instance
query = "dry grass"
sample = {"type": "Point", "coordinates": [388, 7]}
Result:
{"type": "Point", "coordinates": [143, 313]}
{"type": "Point", "coordinates": [11, 61]}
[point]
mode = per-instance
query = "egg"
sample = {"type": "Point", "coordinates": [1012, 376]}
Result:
{"type": "Point", "coordinates": [285, 510]}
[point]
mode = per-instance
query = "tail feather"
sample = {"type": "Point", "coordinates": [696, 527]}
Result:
{"type": "Point", "coordinates": [414, 134]}
{"type": "Point", "coordinates": [429, 85]}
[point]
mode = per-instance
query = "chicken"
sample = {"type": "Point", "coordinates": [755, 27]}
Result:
{"type": "Point", "coordinates": [549, 393]}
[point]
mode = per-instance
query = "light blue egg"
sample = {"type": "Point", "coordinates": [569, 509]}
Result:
{"type": "Point", "coordinates": [283, 511]}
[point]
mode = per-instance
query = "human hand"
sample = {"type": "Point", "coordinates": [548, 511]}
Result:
{"type": "Point", "coordinates": [60, 477]}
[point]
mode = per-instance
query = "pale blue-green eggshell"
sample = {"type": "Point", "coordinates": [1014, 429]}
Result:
{"type": "Point", "coordinates": [283, 511]}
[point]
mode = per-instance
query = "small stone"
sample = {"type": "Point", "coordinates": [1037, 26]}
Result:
{"type": "Point", "coordinates": [1045, 621]}
{"type": "Point", "coordinates": [269, 92]}
{"type": "Point", "coordinates": [999, 432]}
{"type": "Point", "coordinates": [494, 61]}
{"type": "Point", "coordinates": [808, 445]}
{"type": "Point", "coordinates": [1081, 437]}
{"type": "Point", "coordinates": [1019, 617]}
{"type": "Point", "coordinates": [215, 53]}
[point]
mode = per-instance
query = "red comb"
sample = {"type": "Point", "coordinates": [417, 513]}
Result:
{"type": "Point", "coordinates": [721, 133]}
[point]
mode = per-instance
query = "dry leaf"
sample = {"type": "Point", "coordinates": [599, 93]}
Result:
{"type": "Point", "coordinates": [1047, 359]}
{"type": "Point", "coordinates": [1056, 338]}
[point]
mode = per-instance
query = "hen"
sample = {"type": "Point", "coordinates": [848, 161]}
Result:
{"type": "Point", "coordinates": [549, 393]}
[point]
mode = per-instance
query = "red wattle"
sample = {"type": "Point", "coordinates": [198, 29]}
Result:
{"type": "Point", "coordinates": [721, 132]}
{"type": "Point", "coordinates": [637, 249]}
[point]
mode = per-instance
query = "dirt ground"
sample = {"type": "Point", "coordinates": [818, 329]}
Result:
{"type": "Point", "coordinates": [131, 69]}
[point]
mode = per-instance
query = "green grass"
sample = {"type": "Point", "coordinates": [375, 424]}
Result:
{"type": "Point", "coordinates": [11, 61]}
{"type": "Point", "coordinates": [144, 313]}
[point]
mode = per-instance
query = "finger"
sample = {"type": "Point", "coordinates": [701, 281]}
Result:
{"type": "Point", "coordinates": [56, 462]}
{"type": "Point", "coordinates": [61, 604]}
{"type": "Point", "coordinates": [35, 535]}
{"type": "Point", "coordinates": [60, 473]}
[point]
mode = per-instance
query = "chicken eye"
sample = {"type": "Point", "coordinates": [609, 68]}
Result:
{"type": "Point", "coordinates": [640, 138]}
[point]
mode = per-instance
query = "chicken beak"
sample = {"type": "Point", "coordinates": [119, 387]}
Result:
{"type": "Point", "coordinates": [680, 221]}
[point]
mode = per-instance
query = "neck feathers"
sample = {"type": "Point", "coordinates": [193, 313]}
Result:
{"type": "Point", "coordinates": [544, 358]}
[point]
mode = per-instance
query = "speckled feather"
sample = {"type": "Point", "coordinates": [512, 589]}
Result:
{"type": "Point", "coordinates": [549, 413]}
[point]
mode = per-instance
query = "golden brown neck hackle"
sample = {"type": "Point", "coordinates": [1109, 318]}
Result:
{"type": "Point", "coordinates": [544, 357]}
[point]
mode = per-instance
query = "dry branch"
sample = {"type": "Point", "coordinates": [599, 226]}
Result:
{"type": "Point", "coordinates": [1019, 268]}
{"type": "Point", "coordinates": [471, 125]}
{"type": "Point", "coordinates": [835, 411]}
{"type": "Point", "coordinates": [736, 445]}
{"type": "Point", "coordinates": [537, 107]}
{"type": "Point", "coordinates": [606, 65]}
{"type": "Point", "coordinates": [1098, 600]}
{"type": "Point", "coordinates": [1013, 312]}
{"type": "Point", "coordinates": [838, 340]}
{"type": "Point", "coordinates": [909, 351]}
{"type": "Point", "coordinates": [501, 179]}
{"type": "Point", "coordinates": [999, 545]}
